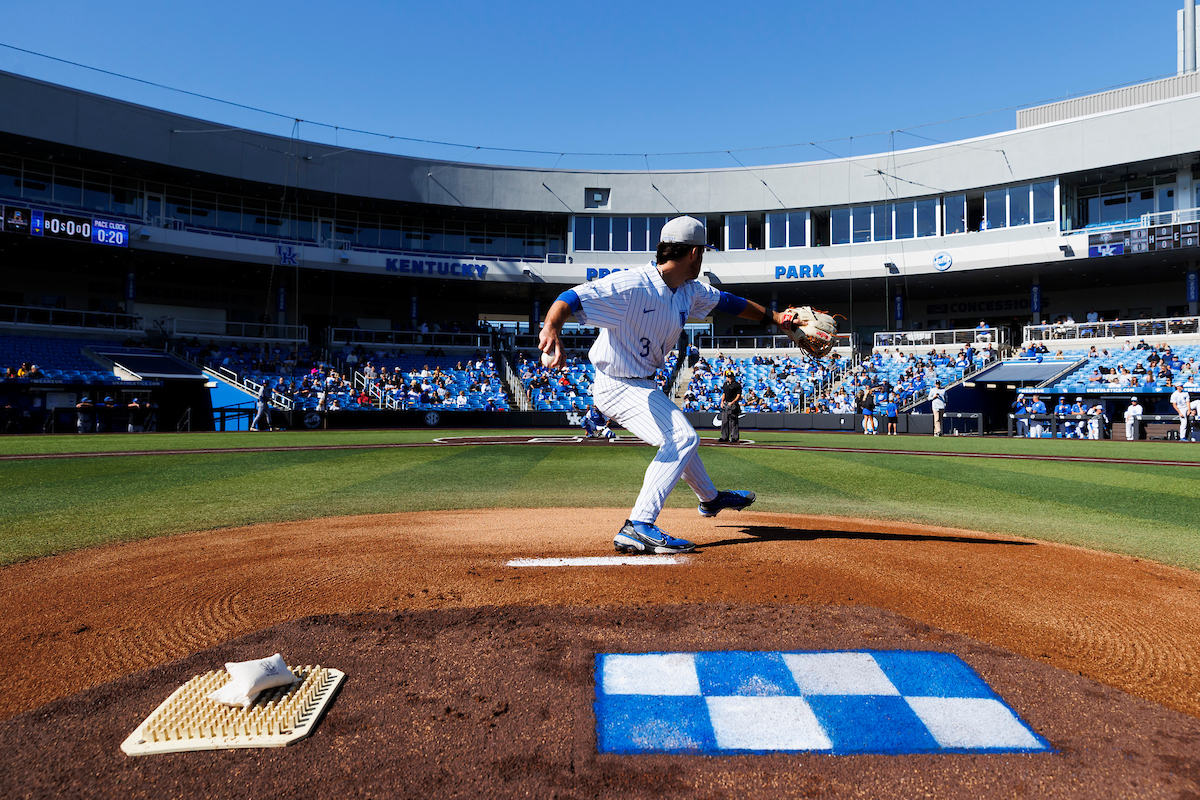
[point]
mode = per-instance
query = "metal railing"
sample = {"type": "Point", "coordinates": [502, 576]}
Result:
{"type": "Point", "coordinates": [997, 336]}
{"type": "Point", "coordinates": [845, 341]}
{"type": "Point", "coordinates": [172, 327]}
{"type": "Point", "coordinates": [1117, 329]}
{"type": "Point", "coordinates": [278, 399]}
{"type": "Point", "coordinates": [41, 317]}
{"type": "Point", "coordinates": [1176, 217]}
{"type": "Point", "coordinates": [344, 336]}
{"type": "Point", "coordinates": [524, 401]}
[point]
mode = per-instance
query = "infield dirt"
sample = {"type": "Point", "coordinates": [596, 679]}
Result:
{"type": "Point", "coordinates": [469, 677]}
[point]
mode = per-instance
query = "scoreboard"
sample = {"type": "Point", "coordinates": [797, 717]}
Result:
{"type": "Point", "coordinates": [55, 225]}
{"type": "Point", "coordinates": [1144, 240]}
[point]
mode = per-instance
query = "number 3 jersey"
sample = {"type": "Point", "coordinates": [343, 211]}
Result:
{"type": "Point", "coordinates": [640, 318]}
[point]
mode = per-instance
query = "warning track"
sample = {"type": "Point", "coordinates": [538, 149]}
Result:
{"type": "Point", "coordinates": [473, 441]}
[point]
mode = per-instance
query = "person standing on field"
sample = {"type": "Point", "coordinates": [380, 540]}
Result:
{"type": "Point", "coordinates": [939, 407]}
{"type": "Point", "coordinates": [641, 313]}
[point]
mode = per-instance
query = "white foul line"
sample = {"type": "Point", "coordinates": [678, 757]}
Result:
{"type": "Point", "coordinates": [598, 561]}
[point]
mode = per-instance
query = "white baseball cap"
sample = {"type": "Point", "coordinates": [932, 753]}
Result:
{"type": "Point", "coordinates": [685, 230]}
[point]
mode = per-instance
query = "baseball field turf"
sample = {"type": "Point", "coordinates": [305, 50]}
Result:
{"type": "Point", "coordinates": [157, 484]}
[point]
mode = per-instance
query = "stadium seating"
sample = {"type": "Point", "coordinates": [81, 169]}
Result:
{"type": "Point", "coordinates": [1128, 370]}
{"type": "Point", "coordinates": [58, 360]}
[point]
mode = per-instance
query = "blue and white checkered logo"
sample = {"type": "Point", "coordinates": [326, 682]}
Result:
{"type": "Point", "coordinates": [832, 702]}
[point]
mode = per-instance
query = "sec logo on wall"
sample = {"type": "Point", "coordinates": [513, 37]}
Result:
{"type": "Point", "coordinates": [943, 261]}
{"type": "Point", "coordinates": [432, 419]}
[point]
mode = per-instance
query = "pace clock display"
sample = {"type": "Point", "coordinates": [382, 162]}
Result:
{"type": "Point", "coordinates": [56, 225]}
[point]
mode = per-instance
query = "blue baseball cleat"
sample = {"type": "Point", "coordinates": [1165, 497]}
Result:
{"type": "Point", "coordinates": [737, 500]}
{"type": "Point", "coordinates": [646, 537]}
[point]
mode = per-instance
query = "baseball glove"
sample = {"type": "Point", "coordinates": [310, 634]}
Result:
{"type": "Point", "coordinates": [813, 331]}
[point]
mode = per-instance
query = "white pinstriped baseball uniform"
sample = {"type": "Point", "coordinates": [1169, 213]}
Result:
{"type": "Point", "coordinates": [641, 319]}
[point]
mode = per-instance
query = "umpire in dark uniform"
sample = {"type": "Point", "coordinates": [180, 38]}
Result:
{"type": "Point", "coordinates": [731, 408]}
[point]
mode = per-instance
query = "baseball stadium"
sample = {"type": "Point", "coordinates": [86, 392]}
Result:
{"type": "Point", "coordinates": [331, 472]}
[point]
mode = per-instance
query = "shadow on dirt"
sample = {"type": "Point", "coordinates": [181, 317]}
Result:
{"type": "Point", "coordinates": [776, 533]}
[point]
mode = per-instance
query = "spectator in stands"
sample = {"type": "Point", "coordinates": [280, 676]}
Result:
{"type": "Point", "coordinates": [1133, 418]}
{"type": "Point", "coordinates": [85, 415]}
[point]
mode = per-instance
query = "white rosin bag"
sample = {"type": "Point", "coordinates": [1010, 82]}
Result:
{"type": "Point", "coordinates": [248, 678]}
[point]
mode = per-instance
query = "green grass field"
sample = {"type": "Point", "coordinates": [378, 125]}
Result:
{"type": "Point", "coordinates": [55, 505]}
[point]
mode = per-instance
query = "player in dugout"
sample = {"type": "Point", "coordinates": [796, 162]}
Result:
{"type": "Point", "coordinates": [641, 313]}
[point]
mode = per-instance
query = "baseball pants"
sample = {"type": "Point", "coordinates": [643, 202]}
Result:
{"type": "Point", "coordinates": [641, 408]}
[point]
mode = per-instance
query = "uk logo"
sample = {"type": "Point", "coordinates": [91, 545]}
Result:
{"type": "Point", "coordinates": [288, 255]}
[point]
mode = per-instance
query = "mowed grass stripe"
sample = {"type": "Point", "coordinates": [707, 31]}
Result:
{"type": "Point", "coordinates": [76, 504]}
{"type": "Point", "coordinates": [934, 491]}
{"type": "Point", "coordinates": [56, 505]}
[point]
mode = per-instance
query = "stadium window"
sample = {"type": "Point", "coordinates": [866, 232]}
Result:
{"type": "Point", "coordinates": [494, 240]}
{"type": "Point", "coordinates": [254, 214]}
{"type": "Point", "coordinates": [302, 224]}
{"type": "Point", "coordinates": [453, 237]}
{"type": "Point", "coordinates": [413, 236]}
{"type": "Point", "coordinates": [955, 217]}
{"type": "Point", "coordinates": [10, 177]}
{"type": "Point", "coordinates": [860, 221]}
{"type": "Point", "coordinates": [927, 215]}
{"type": "Point", "coordinates": [390, 235]}
{"type": "Point", "coordinates": [601, 228]}
{"type": "Point", "coordinates": [475, 243]}
{"type": "Point", "coordinates": [883, 222]}
{"type": "Point", "coordinates": [229, 213]}
{"type": "Point", "coordinates": [368, 230]}
{"type": "Point", "coordinates": [839, 226]}
{"type": "Point", "coordinates": [995, 208]}
{"type": "Point", "coordinates": [735, 232]}
{"type": "Point", "coordinates": [905, 215]}
{"type": "Point", "coordinates": [637, 234]}
{"type": "Point", "coordinates": [1141, 201]}
{"type": "Point", "coordinates": [514, 240]}
{"type": "Point", "coordinates": [1043, 201]}
{"type": "Point", "coordinates": [1114, 208]}
{"type": "Point", "coordinates": [1166, 199]}
{"type": "Point", "coordinates": [1018, 205]}
{"type": "Point", "coordinates": [68, 186]}
{"type": "Point", "coordinates": [36, 186]}
{"type": "Point", "coordinates": [620, 234]}
{"type": "Point", "coordinates": [583, 233]}
{"type": "Point", "coordinates": [204, 209]}
{"type": "Point", "coordinates": [96, 191]}
{"type": "Point", "coordinates": [434, 237]}
{"type": "Point", "coordinates": [797, 229]}
{"type": "Point", "coordinates": [656, 226]}
{"type": "Point", "coordinates": [535, 242]}
{"type": "Point", "coordinates": [777, 231]}
{"type": "Point", "coordinates": [179, 207]}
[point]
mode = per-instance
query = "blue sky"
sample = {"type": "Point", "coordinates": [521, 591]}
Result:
{"type": "Point", "coordinates": [608, 78]}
